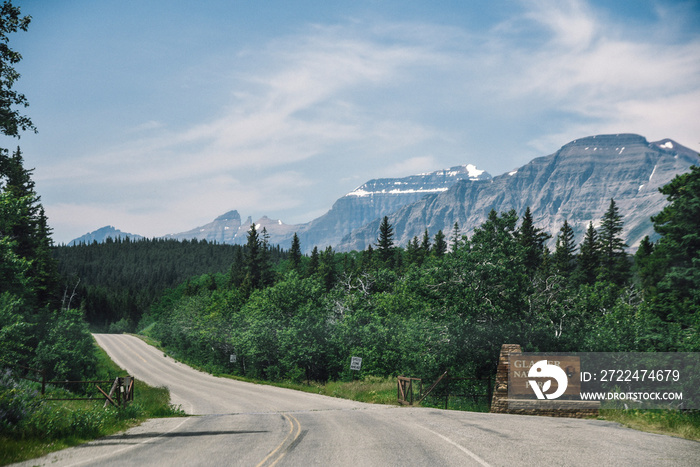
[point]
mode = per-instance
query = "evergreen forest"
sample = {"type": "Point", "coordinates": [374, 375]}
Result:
{"type": "Point", "coordinates": [116, 282]}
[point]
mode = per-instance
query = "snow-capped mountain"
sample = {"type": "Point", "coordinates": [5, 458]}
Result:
{"type": "Point", "coordinates": [377, 198]}
{"type": "Point", "coordinates": [575, 184]}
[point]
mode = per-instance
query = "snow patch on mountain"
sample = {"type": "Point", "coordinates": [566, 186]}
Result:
{"type": "Point", "coordinates": [425, 183]}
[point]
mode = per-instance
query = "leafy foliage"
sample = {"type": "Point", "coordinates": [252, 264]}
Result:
{"type": "Point", "coordinates": [675, 298]}
{"type": "Point", "coordinates": [11, 121]}
{"type": "Point", "coordinates": [424, 312]}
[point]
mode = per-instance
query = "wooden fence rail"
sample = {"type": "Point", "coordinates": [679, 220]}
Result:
{"type": "Point", "coordinates": [404, 392]}
{"type": "Point", "coordinates": [120, 394]}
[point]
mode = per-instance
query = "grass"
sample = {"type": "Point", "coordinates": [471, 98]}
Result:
{"type": "Point", "coordinates": [371, 389]}
{"type": "Point", "coordinates": [55, 425]}
{"type": "Point", "coordinates": [682, 424]}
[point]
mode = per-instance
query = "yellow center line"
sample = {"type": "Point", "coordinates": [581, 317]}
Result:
{"type": "Point", "coordinates": [291, 429]}
{"type": "Point", "coordinates": [295, 438]}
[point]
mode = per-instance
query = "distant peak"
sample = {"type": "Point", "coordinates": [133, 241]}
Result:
{"type": "Point", "coordinates": [608, 140]}
{"type": "Point", "coordinates": [674, 147]}
{"type": "Point", "coordinates": [101, 234]}
{"type": "Point", "coordinates": [229, 216]}
{"type": "Point", "coordinates": [106, 228]}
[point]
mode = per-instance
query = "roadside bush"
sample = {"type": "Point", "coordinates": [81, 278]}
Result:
{"type": "Point", "coordinates": [17, 401]}
{"type": "Point", "coordinates": [67, 353]}
{"type": "Point", "coordinates": [120, 327]}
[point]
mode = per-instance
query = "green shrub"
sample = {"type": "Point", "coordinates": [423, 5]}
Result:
{"type": "Point", "coordinates": [120, 327]}
{"type": "Point", "coordinates": [17, 401]}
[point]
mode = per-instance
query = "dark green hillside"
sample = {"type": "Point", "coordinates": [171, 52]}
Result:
{"type": "Point", "coordinates": [119, 279]}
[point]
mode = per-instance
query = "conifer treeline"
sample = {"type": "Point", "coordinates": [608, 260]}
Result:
{"type": "Point", "coordinates": [119, 279]}
{"type": "Point", "coordinates": [36, 328]}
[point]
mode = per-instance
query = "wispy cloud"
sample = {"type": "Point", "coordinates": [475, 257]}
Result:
{"type": "Point", "coordinates": [403, 96]}
{"type": "Point", "coordinates": [607, 75]}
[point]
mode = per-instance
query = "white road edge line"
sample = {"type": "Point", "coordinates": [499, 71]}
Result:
{"type": "Point", "coordinates": [458, 446]}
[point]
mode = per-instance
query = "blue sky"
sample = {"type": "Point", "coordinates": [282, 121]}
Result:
{"type": "Point", "coordinates": [158, 116]}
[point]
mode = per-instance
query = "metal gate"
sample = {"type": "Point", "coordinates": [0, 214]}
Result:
{"type": "Point", "coordinates": [444, 388]}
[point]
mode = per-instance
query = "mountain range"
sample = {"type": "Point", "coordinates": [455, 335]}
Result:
{"type": "Point", "coordinates": [102, 234]}
{"type": "Point", "coordinates": [575, 183]}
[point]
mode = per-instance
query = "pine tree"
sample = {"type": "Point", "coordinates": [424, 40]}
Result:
{"type": "Point", "coordinates": [313, 263]}
{"type": "Point", "coordinates": [326, 268]}
{"type": "Point", "coordinates": [367, 261]}
{"type": "Point", "coordinates": [15, 277]}
{"type": "Point", "coordinates": [532, 239]}
{"type": "Point", "coordinates": [265, 261]}
{"type": "Point", "coordinates": [564, 253]}
{"type": "Point", "coordinates": [252, 258]}
{"type": "Point", "coordinates": [413, 253]}
{"type": "Point", "coordinates": [295, 254]}
{"type": "Point", "coordinates": [614, 266]}
{"type": "Point", "coordinates": [589, 257]}
{"type": "Point", "coordinates": [424, 247]}
{"type": "Point", "coordinates": [456, 238]}
{"type": "Point", "coordinates": [237, 270]}
{"type": "Point", "coordinates": [440, 245]}
{"type": "Point", "coordinates": [385, 242]}
{"type": "Point", "coordinates": [645, 269]}
{"type": "Point", "coordinates": [676, 258]}
{"type": "Point", "coordinates": [29, 229]}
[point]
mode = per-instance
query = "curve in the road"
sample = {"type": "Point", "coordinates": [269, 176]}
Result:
{"type": "Point", "coordinates": [240, 423]}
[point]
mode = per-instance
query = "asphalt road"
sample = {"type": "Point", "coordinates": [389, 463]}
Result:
{"type": "Point", "coordinates": [244, 424]}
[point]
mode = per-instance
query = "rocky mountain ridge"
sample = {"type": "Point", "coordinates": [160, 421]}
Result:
{"type": "Point", "coordinates": [365, 203]}
{"type": "Point", "coordinates": [377, 198]}
{"type": "Point", "coordinates": [575, 183]}
{"type": "Point", "coordinates": [228, 228]}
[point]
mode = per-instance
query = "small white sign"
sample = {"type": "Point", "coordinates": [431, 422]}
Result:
{"type": "Point", "coordinates": [355, 363]}
{"type": "Point", "coordinates": [233, 358]}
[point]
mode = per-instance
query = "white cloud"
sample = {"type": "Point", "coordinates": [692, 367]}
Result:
{"type": "Point", "coordinates": [605, 75]}
{"type": "Point", "coordinates": [572, 23]}
{"type": "Point", "coordinates": [412, 166]}
{"type": "Point", "coordinates": [397, 98]}
{"type": "Point", "coordinates": [308, 98]}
